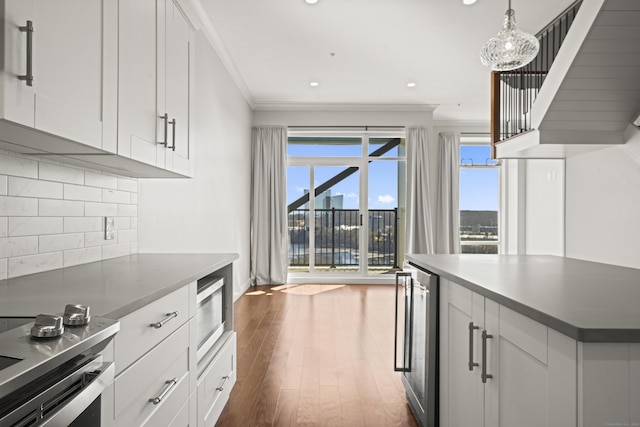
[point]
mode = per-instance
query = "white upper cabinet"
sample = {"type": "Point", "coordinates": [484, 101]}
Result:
{"type": "Point", "coordinates": [59, 73]}
{"type": "Point", "coordinates": [154, 84]}
{"type": "Point", "coordinates": [178, 77]}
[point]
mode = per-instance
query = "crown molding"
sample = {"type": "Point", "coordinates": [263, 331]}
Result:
{"type": "Point", "coordinates": [294, 106]}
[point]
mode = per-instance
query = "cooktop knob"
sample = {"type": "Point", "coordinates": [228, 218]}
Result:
{"type": "Point", "coordinates": [76, 315]}
{"type": "Point", "coordinates": [47, 326]}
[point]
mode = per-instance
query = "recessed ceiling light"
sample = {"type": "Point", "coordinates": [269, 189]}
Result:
{"type": "Point", "coordinates": [316, 1]}
{"type": "Point", "coordinates": [411, 84]}
{"type": "Point", "coordinates": [314, 84]}
{"type": "Point", "coordinates": [466, 2]}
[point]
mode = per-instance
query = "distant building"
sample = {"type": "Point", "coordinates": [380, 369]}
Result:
{"type": "Point", "coordinates": [326, 200]}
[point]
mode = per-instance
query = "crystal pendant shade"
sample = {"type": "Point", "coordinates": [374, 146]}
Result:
{"type": "Point", "coordinates": [511, 48]}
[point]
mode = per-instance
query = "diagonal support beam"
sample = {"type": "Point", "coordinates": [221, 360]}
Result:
{"type": "Point", "coordinates": [392, 143]}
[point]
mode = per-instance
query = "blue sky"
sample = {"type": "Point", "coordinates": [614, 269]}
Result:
{"type": "Point", "coordinates": [478, 188]}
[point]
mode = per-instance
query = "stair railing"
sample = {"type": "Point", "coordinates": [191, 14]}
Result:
{"type": "Point", "coordinates": [514, 92]}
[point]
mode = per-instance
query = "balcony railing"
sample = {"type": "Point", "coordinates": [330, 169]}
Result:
{"type": "Point", "coordinates": [514, 92]}
{"type": "Point", "coordinates": [337, 238]}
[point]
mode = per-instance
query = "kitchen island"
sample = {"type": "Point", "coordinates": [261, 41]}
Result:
{"type": "Point", "coordinates": [536, 341]}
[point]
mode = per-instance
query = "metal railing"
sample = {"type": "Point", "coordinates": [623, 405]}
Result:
{"type": "Point", "coordinates": [337, 239]}
{"type": "Point", "coordinates": [514, 92]}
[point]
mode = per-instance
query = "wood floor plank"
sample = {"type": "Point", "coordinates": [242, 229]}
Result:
{"type": "Point", "coordinates": [316, 356]}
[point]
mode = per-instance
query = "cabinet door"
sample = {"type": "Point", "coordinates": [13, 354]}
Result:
{"type": "Point", "coordinates": [17, 99]}
{"type": "Point", "coordinates": [73, 56]}
{"type": "Point", "coordinates": [137, 81]}
{"type": "Point", "coordinates": [465, 389]}
{"type": "Point", "coordinates": [533, 372]}
{"type": "Point", "coordinates": [68, 68]}
{"type": "Point", "coordinates": [177, 86]}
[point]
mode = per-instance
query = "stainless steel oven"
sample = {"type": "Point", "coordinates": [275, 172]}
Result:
{"type": "Point", "coordinates": [53, 373]}
{"type": "Point", "coordinates": [210, 315]}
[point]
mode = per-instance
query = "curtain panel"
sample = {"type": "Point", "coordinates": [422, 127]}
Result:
{"type": "Point", "coordinates": [447, 234]}
{"type": "Point", "coordinates": [269, 256]}
{"type": "Point", "coordinates": [419, 228]}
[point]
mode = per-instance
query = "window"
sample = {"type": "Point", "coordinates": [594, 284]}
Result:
{"type": "Point", "coordinates": [479, 197]}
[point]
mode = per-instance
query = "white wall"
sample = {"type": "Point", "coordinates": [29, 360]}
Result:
{"type": "Point", "coordinates": [603, 205]}
{"type": "Point", "coordinates": [52, 215]}
{"type": "Point", "coordinates": [533, 206]}
{"type": "Point", "coordinates": [210, 212]}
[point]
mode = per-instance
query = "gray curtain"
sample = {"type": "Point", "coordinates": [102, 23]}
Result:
{"type": "Point", "coordinates": [269, 258]}
{"type": "Point", "coordinates": [447, 233]}
{"type": "Point", "coordinates": [418, 222]}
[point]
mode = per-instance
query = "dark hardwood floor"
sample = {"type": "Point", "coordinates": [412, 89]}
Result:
{"type": "Point", "coordinates": [316, 355]}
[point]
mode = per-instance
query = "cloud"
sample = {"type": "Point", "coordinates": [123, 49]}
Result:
{"type": "Point", "coordinates": [385, 199]}
{"type": "Point", "coordinates": [348, 195]}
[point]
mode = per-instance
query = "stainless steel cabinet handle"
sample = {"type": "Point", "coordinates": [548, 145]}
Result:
{"type": "Point", "coordinates": [168, 385]}
{"type": "Point", "coordinates": [173, 133]}
{"type": "Point", "coordinates": [165, 117]}
{"type": "Point", "coordinates": [485, 337]}
{"type": "Point", "coordinates": [161, 323]}
{"type": "Point", "coordinates": [472, 364]}
{"type": "Point", "coordinates": [29, 30]}
{"type": "Point", "coordinates": [395, 329]}
{"type": "Point", "coordinates": [224, 380]}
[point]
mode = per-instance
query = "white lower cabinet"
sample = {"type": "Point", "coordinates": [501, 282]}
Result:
{"type": "Point", "coordinates": [500, 368]}
{"type": "Point", "coordinates": [155, 387]}
{"type": "Point", "coordinates": [215, 384]}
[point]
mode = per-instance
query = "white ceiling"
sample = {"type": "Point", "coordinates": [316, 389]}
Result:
{"type": "Point", "coordinates": [274, 48]}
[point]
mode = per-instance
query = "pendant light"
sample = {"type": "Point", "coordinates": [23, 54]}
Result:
{"type": "Point", "coordinates": [511, 48]}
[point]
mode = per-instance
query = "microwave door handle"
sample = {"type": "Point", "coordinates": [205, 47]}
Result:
{"type": "Point", "coordinates": [395, 329]}
{"type": "Point", "coordinates": [69, 412]}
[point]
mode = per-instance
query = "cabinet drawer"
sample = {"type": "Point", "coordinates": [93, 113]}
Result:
{"type": "Point", "coordinates": [149, 377]}
{"type": "Point", "coordinates": [181, 419]}
{"type": "Point", "coordinates": [216, 383]}
{"type": "Point", "coordinates": [137, 336]}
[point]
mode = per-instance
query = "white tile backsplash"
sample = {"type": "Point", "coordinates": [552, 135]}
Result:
{"type": "Point", "coordinates": [18, 166]}
{"type": "Point", "coordinates": [60, 242]}
{"type": "Point", "coordinates": [126, 184]}
{"type": "Point", "coordinates": [29, 187]}
{"type": "Point", "coordinates": [82, 224]}
{"type": "Point", "coordinates": [18, 206]}
{"type": "Point", "coordinates": [116, 196]}
{"type": "Point", "coordinates": [92, 179]}
{"type": "Point", "coordinates": [80, 192]}
{"type": "Point", "coordinates": [3, 269]}
{"type": "Point", "coordinates": [60, 208]}
{"type": "Point", "coordinates": [82, 256]}
{"type": "Point", "coordinates": [3, 185]}
{"type": "Point", "coordinates": [19, 266]}
{"type": "Point", "coordinates": [100, 209]}
{"type": "Point", "coordinates": [18, 246]}
{"type": "Point", "coordinates": [59, 173]}
{"type": "Point", "coordinates": [34, 226]}
{"type": "Point", "coordinates": [127, 210]}
{"type": "Point", "coordinates": [52, 215]}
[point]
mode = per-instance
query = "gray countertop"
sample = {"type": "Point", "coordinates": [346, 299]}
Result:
{"type": "Point", "coordinates": [588, 301]}
{"type": "Point", "coordinates": [113, 288]}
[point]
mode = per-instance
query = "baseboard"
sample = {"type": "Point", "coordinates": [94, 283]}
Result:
{"type": "Point", "coordinates": [238, 292]}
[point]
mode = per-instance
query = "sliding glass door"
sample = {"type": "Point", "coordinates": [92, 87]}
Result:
{"type": "Point", "coordinates": [345, 200]}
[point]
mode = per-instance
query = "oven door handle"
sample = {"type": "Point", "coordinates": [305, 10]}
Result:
{"type": "Point", "coordinates": [69, 412]}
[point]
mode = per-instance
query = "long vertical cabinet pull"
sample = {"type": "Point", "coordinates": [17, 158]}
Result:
{"type": "Point", "coordinates": [173, 134]}
{"type": "Point", "coordinates": [395, 329]}
{"type": "Point", "coordinates": [165, 118]}
{"type": "Point", "coordinates": [485, 337]}
{"type": "Point", "coordinates": [29, 30]}
{"type": "Point", "coordinates": [472, 328]}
